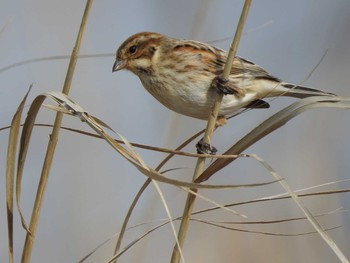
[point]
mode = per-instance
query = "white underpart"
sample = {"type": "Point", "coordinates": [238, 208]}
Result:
{"type": "Point", "coordinates": [196, 98]}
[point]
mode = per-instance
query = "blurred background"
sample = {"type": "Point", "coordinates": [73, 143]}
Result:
{"type": "Point", "coordinates": [91, 187]}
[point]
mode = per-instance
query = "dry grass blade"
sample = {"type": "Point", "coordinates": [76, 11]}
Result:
{"type": "Point", "coordinates": [274, 221]}
{"type": "Point", "coordinates": [283, 196]}
{"type": "Point", "coordinates": [128, 215]}
{"type": "Point", "coordinates": [259, 232]}
{"type": "Point", "coordinates": [272, 198]}
{"type": "Point", "coordinates": [273, 123]}
{"type": "Point", "coordinates": [135, 241]}
{"type": "Point", "coordinates": [34, 60]}
{"type": "Point", "coordinates": [169, 217]}
{"type": "Point", "coordinates": [23, 149]}
{"type": "Point", "coordinates": [100, 245]}
{"type": "Point", "coordinates": [10, 171]}
{"type": "Point", "coordinates": [117, 255]}
{"type": "Point", "coordinates": [306, 212]}
{"type": "Point", "coordinates": [213, 202]}
{"type": "Point", "coordinates": [171, 152]}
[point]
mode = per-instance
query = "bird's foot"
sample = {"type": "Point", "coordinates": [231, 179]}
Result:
{"type": "Point", "coordinates": [205, 148]}
{"type": "Point", "coordinates": [222, 86]}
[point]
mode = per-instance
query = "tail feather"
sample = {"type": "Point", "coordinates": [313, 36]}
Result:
{"type": "Point", "coordinates": [303, 92]}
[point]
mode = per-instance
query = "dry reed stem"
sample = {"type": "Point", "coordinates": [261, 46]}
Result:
{"type": "Point", "coordinates": [29, 241]}
{"type": "Point", "coordinates": [175, 258]}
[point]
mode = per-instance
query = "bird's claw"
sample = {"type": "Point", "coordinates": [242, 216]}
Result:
{"type": "Point", "coordinates": [220, 84]}
{"type": "Point", "coordinates": [225, 87]}
{"type": "Point", "coordinates": [205, 148]}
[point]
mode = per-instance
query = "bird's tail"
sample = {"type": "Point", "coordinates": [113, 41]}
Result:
{"type": "Point", "coordinates": [302, 92]}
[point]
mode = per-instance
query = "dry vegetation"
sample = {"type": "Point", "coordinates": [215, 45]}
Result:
{"type": "Point", "coordinates": [62, 104]}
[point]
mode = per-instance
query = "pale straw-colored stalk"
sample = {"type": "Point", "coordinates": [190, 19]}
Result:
{"type": "Point", "coordinates": [28, 246]}
{"type": "Point", "coordinates": [175, 258]}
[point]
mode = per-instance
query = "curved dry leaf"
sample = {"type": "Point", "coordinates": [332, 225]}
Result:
{"type": "Point", "coordinates": [10, 170]}
{"type": "Point", "coordinates": [273, 123]}
{"type": "Point", "coordinates": [132, 157]}
{"type": "Point", "coordinates": [24, 144]}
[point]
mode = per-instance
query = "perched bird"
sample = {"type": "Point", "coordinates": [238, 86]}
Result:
{"type": "Point", "coordinates": [181, 75]}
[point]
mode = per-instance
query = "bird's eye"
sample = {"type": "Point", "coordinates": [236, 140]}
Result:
{"type": "Point", "coordinates": [132, 49]}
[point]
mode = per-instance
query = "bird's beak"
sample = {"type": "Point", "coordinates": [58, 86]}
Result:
{"type": "Point", "coordinates": [118, 65]}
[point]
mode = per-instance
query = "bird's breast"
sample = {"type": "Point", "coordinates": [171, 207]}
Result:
{"type": "Point", "coordinates": [188, 91]}
{"type": "Point", "coordinates": [190, 97]}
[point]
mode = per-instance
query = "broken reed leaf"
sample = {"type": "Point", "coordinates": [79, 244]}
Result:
{"type": "Point", "coordinates": [271, 124]}
{"type": "Point", "coordinates": [23, 149]}
{"type": "Point", "coordinates": [10, 170]}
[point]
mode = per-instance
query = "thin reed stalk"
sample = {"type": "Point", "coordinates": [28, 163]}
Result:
{"type": "Point", "coordinates": [186, 217]}
{"type": "Point", "coordinates": [29, 241]}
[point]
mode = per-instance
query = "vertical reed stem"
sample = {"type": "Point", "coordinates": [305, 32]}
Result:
{"type": "Point", "coordinates": [28, 245]}
{"type": "Point", "coordinates": [175, 258]}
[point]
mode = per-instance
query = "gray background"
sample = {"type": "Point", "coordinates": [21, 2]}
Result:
{"type": "Point", "coordinates": [91, 187]}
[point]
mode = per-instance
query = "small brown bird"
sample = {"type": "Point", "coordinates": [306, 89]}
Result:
{"type": "Point", "coordinates": [180, 74]}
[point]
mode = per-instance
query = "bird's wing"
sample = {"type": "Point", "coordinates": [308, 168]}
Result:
{"type": "Point", "coordinates": [245, 68]}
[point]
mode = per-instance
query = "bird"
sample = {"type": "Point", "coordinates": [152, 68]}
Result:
{"type": "Point", "coordinates": [184, 76]}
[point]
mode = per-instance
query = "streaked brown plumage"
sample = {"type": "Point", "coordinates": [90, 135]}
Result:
{"type": "Point", "coordinates": [179, 74]}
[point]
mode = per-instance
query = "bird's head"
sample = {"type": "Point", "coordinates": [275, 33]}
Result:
{"type": "Point", "coordinates": [137, 52]}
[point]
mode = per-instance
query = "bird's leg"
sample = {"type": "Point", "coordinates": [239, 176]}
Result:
{"type": "Point", "coordinates": [205, 148]}
{"type": "Point", "coordinates": [223, 86]}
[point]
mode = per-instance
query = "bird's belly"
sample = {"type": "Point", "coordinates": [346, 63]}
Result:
{"type": "Point", "coordinates": [194, 101]}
